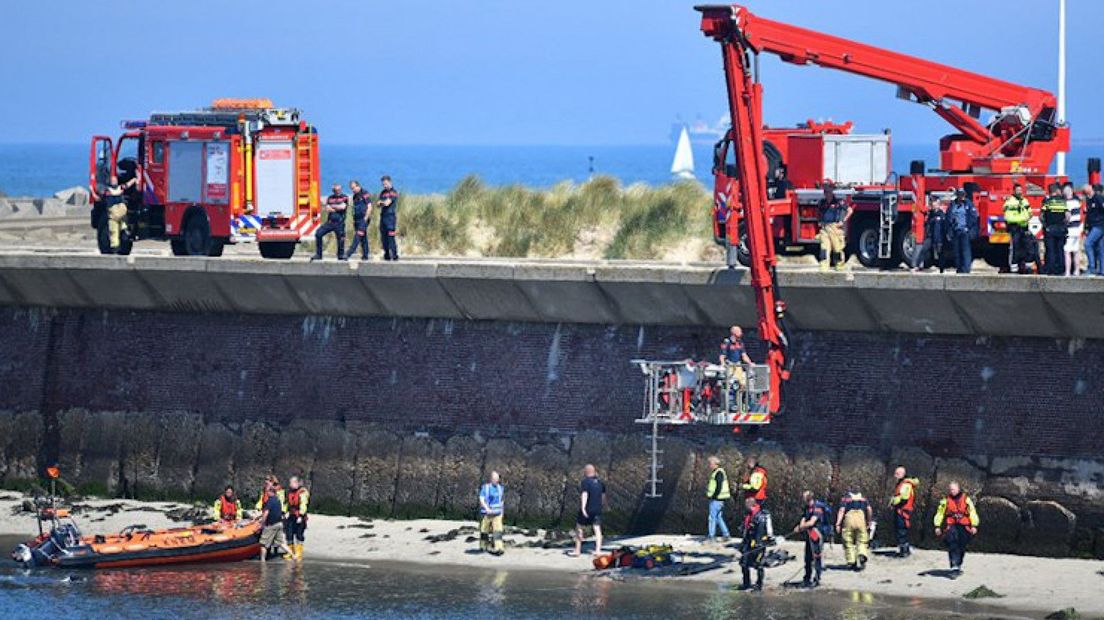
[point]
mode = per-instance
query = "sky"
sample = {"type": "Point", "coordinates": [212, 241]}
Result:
{"type": "Point", "coordinates": [502, 72]}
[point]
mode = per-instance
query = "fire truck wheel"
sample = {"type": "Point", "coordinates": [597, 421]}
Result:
{"type": "Point", "coordinates": [216, 247]}
{"type": "Point", "coordinates": [178, 248]}
{"type": "Point", "coordinates": [743, 253]}
{"type": "Point", "coordinates": [277, 249]}
{"type": "Point", "coordinates": [197, 235]}
{"type": "Point", "coordinates": [865, 234]}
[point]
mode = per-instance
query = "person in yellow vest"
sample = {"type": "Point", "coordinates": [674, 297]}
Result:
{"type": "Point", "coordinates": [227, 507]}
{"type": "Point", "coordinates": [272, 487]}
{"type": "Point", "coordinates": [956, 520]}
{"type": "Point", "coordinates": [852, 523]}
{"type": "Point", "coordinates": [756, 484]}
{"type": "Point", "coordinates": [903, 503]}
{"type": "Point", "coordinates": [1023, 248]}
{"type": "Point", "coordinates": [297, 500]}
{"type": "Point", "coordinates": [718, 493]}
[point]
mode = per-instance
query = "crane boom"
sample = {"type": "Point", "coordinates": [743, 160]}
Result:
{"type": "Point", "coordinates": [1024, 129]}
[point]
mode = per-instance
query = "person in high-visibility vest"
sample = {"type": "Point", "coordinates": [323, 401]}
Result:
{"type": "Point", "coordinates": [852, 523]}
{"type": "Point", "coordinates": [1023, 248]}
{"type": "Point", "coordinates": [491, 499]}
{"type": "Point", "coordinates": [297, 500]}
{"type": "Point", "coordinates": [956, 520]}
{"type": "Point", "coordinates": [227, 507]}
{"type": "Point", "coordinates": [271, 487]}
{"type": "Point", "coordinates": [903, 503]}
{"type": "Point", "coordinates": [756, 484]}
{"type": "Point", "coordinates": [718, 493]}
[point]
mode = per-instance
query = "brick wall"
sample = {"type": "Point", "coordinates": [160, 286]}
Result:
{"type": "Point", "coordinates": [950, 396]}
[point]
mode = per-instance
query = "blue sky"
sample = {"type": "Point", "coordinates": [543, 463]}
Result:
{"type": "Point", "coordinates": [501, 71]}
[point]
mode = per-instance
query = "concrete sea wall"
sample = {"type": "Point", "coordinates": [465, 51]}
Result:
{"type": "Point", "coordinates": [402, 416]}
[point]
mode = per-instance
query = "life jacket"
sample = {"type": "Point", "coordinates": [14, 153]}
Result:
{"type": "Point", "coordinates": [759, 494]}
{"type": "Point", "coordinates": [910, 503]}
{"type": "Point", "coordinates": [228, 510]}
{"type": "Point", "coordinates": [957, 511]}
{"type": "Point", "coordinates": [293, 501]}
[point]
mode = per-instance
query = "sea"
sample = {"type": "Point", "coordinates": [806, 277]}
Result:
{"type": "Point", "coordinates": [42, 169]}
{"type": "Point", "coordinates": [323, 590]}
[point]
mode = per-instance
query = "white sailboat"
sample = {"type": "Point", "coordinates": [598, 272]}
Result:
{"type": "Point", "coordinates": [682, 167]}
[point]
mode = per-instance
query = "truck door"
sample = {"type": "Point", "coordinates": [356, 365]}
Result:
{"type": "Point", "coordinates": [101, 160]}
{"type": "Point", "coordinates": [275, 178]}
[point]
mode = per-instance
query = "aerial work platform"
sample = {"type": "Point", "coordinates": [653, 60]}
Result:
{"type": "Point", "coordinates": [678, 393]}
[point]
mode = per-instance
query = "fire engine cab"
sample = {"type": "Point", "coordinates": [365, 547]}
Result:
{"type": "Point", "coordinates": [241, 170]}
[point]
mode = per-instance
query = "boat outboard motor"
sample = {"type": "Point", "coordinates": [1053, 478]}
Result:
{"type": "Point", "coordinates": [22, 554]}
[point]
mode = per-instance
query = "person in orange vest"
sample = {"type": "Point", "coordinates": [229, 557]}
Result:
{"type": "Point", "coordinates": [903, 503]}
{"type": "Point", "coordinates": [756, 484]}
{"type": "Point", "coordinates": [272, 487]}
{"type": "Point", "coordinates": [295, 523]}
{"type": "Point", "coordinates": [956, 521]}
{"type": "Point", "coordinates": [227, 507]}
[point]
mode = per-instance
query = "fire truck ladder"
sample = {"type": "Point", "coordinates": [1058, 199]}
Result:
{"type": "Point", "coordinates": [303, 164]}
{"type": "Point", "coordinates": [887, 215]}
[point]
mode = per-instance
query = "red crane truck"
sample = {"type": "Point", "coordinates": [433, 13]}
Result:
{"type": "Point", "coordinates": [241, 170]}
{"type": "Point", "coordinates": [1016, 145]}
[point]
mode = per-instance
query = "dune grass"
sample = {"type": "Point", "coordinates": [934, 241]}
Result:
{"type": "Point", "coordinates": [637, 222]}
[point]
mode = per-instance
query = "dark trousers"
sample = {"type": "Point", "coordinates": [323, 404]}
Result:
{"type": "Point", "coordinates": [901, 525]}
{"type": "Point", "coordinates": [956, 538]}
{"type": "Point", "coordinates": [330, 227]}
{"type": "Point", "coordinates": [390, 247]}
{"type": "Point", "coordinates": [1055, 252]}
{"type": "Point", "coordinates": [294, 529]}
{"type": "Point", "coordinates": [753, 558]}
{"type": "Point", "coordinates": [360, 239]}
{"type": "Point", "coordinates": [1023, 249]}
{"type": "Point", "coordinates": [960, 243]}
{"type": "Point", "coordinates": [814, 549]}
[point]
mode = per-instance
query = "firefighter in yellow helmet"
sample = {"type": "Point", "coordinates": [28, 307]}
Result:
{"type": "Point", "coordinates": [295, 523]}
{"type": "Point", "coordinates": [227, 507]}
{"type": "Point", "coordinates": [852, 522]}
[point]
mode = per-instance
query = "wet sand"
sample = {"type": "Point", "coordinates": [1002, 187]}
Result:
{"type": "Point", "coordinates": [1035, 586]}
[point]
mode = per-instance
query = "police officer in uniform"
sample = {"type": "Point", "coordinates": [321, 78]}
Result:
{"type": "Point", "coordinates": [337, 203]}
{"type": "Point", "coordinates": [753, 545]}
{"type": "Point", "coordinates": [1055, 216]}
{"type": "Point", "coordinates": [853, 523]}
{"type": "Point", "coordinates": [903, 503]}
{"type": "Point", "coordinates": [834, 214]}
{"type": "Point", "coordinates": [962, 220]}
{"type": "Point", "coordinates": [362, 217]}
{"type": "Point", "coordinates": [297, 500]}
{"type": "Point", "coordinates": [815, 524]}
{"type": "Point", "coordinates": [1023, 248]}
{"type": "Point", "coordinates": [956, 520]}
{"type": "Point", "coordinates": [389, 203]}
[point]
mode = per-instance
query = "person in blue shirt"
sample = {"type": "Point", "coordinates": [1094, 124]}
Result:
{"type": "Point", "coordinates": [962, 220]}
{"type": "Point", "coordinates": [272, 520]}
{"type": "Point", "coordinates": [490, 511]}
{"type": "Point", "coordinates": [362, 216]}
{"type": "Point", "coordinates": [816, 524]}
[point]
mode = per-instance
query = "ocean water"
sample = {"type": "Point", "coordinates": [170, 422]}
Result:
{"type": "Point", "coordinates": [390, 590]}
{"type": "Point", "coordinates": [42, 169]}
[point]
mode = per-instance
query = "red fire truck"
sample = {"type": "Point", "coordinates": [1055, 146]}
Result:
{"type": "Point", "coordinates": [241, 170]}
{"type": "Point", "coordinates": [1016, 145]}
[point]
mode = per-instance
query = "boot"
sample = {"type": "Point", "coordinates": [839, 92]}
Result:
{"type": "Point", "coordinates": [298, 551]}
{"type": "Point", "coordinates": [747, 578]}
{"type": "Point", "coordinates": [759, 579]}
{"type": "Point", "coordinates": [841, 262]}
{"type": "Point", "coordinates": [824, 263]}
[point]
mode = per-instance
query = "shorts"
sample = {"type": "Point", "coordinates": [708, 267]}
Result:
{"type": "Point", "coordinates": [273, 535]}
{"type": "Point", "coordinates": [592, 520]}
{"type": "Point", "coordinates": [1073, 241]}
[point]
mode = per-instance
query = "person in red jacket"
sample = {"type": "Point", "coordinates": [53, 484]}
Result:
{"type": "Point", "coordinates": [756, 484]}
{"type": "Point", "coordinates": [903, 503]}
{"type": "Point", "coordinates": [956, 520]}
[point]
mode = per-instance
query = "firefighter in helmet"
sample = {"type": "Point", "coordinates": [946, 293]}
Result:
{"type": "Point", "coordinates": [834, 213]}
{"type": "Point", "coordinates": [227, 507]}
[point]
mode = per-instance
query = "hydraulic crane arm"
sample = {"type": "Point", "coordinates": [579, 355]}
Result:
{"type": "Point", "coordinates": [750, 199]}
{"type": "Point", "coordinates": [936, 85]}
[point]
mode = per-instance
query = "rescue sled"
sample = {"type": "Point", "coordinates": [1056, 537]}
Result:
{"type": "Point", "coordinates": [60, 544]}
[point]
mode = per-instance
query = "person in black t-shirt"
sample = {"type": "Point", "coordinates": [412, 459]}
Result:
{"type": "Point", "coordinates": [592, 496]}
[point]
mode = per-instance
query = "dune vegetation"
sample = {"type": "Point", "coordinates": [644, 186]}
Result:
{"type": "Point", "coordinates": [594, 220]}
